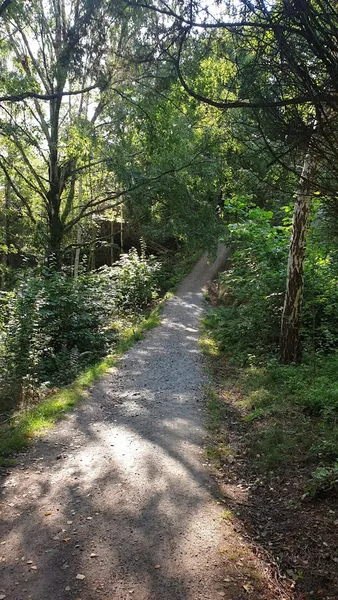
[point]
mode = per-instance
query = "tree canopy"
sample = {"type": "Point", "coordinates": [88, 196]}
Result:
{"type": "Point", "coordinates": [148, 119]}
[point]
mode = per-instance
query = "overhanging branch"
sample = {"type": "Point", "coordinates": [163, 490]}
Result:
{"type": "Point", "coordinates": [94, 205]}
{"type": "Point", "coordinates": [47, 97]}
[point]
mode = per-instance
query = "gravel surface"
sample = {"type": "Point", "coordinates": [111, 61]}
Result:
{"type": "Point", "coordinates": [115, 502]}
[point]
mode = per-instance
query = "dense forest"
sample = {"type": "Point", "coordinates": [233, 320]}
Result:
{"type": "Point", "coordinates": [135, 134]}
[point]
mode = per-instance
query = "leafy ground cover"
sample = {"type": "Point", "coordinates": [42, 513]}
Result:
{"type": "Point", "coordinates": [273, 448]}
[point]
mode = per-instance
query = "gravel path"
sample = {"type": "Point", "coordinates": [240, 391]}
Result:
{"type": "Point", "coordinates": [115, 502]}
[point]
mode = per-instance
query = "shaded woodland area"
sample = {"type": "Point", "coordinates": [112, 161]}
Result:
{"type": "Point", "coordinates": [134, 134]}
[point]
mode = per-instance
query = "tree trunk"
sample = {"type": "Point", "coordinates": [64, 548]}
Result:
{"type": "Point", "coordinates": [92, 258]}
{"type": "Point", "coordinates": [55, 241]}
{"type": "Point", "coordinates": [121, 230]}
{"type": "Point", "coordinates": [56, 229]}
{"type": "Point", "coordinates": [112, 240]}
{"type": "Point", "coordinates": [290, 343]}
{"type": "Point", "coordinates": [78, 235]}
{"type": "Point", "coordinates": [4, 254]}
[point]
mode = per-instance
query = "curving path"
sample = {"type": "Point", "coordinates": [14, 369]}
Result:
{"type": "Point", "coordinates": [115, 502]}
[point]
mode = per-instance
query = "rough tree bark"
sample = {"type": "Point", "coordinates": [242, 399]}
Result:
{"type": "Point", "coordinates": [54, 193]}
{"type": "Point", "coordinates": [290, 342]}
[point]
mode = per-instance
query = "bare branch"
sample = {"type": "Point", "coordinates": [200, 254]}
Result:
{"type": "Point", "coordinates": [316, 100]}
{"type": "Point", "coordinates": [167, 11]}
{"type": "Point", "coordinates": [91, 206]}
{"type": "Point", "coordinates": [17, 191]}
{"type": "Point", "coordinates": [47, 97]}
{"type": "Point", "coordinates": [25, 179]}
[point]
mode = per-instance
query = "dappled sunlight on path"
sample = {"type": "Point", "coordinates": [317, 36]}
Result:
{"type": "Point", "coordinates": [116, 502]}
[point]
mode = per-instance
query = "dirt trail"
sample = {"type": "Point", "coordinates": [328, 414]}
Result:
{"type": "Point", "coordinates": [115, 502]}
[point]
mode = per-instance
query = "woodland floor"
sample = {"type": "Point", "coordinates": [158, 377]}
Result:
{"type": "Point", "coordinates": [295, 534]}
{"type": "Point", "coordinates": [119, 501]}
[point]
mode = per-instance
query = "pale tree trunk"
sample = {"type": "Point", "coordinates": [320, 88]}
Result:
{"type": "Point", "coordinates": [78, 235]}
{"type": "Point", "coordinates": [4, 254]}
{"type": "Point", "coordinates": [290, 343]}
{"type": "Point", "coordinates": [121, 230]}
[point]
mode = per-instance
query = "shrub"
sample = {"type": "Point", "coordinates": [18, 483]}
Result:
{"type": "Point", "coordinates": [251, 291]}
{"type": "Point", "coordinates": [136, 281]}
{"type": "Point", "coordinates": [51, 327]}
{"type": "Point", "coordinates": [324, 479]}
{"type": "Point", "coordinates": [296, 405]}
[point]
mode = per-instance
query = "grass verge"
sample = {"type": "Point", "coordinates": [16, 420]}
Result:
{"type": "Point", "coordinates": [16, 435]}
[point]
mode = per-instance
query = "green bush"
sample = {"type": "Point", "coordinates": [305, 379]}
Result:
{"type": "Point", "coordinates": [136, 281]}
{"type": "Point", "coordinates": [320, 315]}
{"type": "Point", "coordinates": [295, 406]}
{"type": "Point", "coordinates": [52, 326]}
{"type": "Point", "coordinates": [324, 479]}
{"type": "Point", "coordinates": [252, 290]}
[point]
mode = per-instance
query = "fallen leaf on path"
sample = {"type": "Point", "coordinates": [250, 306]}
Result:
{"type": "Point", "coordinates": [66, 540]}
{"type": "Point", "coordinates": [80, 576]}
{"type": "Point", "coordinates": [47, 513]}
{"type": "Point", "coordinates": [157, 567]}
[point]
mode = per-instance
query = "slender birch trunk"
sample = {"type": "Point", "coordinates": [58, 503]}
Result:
{"type": "Point", "coordinates": [290, 343]}
{"type": "Point", "coordinates": [4, 254]}
{"type": "Point", "coordinates": [121, 230]}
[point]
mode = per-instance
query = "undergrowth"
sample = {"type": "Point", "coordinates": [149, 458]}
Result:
{"type": "Point", "coordinates": [291, 411]}
{"type": "Point", "coordinates": [28, 424]}
{"type": "Point", "coordinates": [129, 326]}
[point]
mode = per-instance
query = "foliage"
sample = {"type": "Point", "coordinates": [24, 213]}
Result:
{"type": "Point", "coordinates": [136, 281]}
{"type": "Point", "coordinates": [293, 409]}
{"type": "Point", "coordinates": [23, 427]}
{"type": "Point", "coordinates": [320, 318]}
{"type": "Point", "coordinates": [250, 292]}
{"type": "Point", "coordinates": [323, 479]}
{"type": "Point", "coordinates": [53, 325]}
